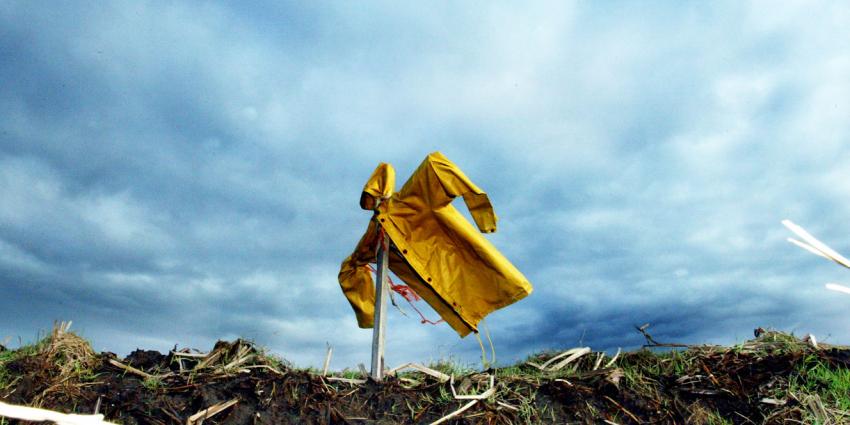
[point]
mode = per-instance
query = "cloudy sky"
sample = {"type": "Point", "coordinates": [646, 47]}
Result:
{"type": "Point", "coordinates": [181, 172]}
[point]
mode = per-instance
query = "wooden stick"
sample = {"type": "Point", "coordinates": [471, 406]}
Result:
{"type": "Point", "coordinates": [327, 360]}
{"type": "Point", "coordinates": [208, 360]}
{"type": "Point", "coordinates": [626, 411]}
{"type": "Point", "coordinates": [455, 413]}
{"type": "Point", "coordinates": [198, 418]}
{"type": "Point", "coordinates": [193, 355]}
{"type": "Point", "coordinates": [598, 360]}
{"type": "Point", "coordinates": [486, 394]}
{"type": "Point", "coordinates": [346, 380]}
{"type": "Point", "coordinates": [506, 405]}
{"type": "Point", "coordinates": [424, 369]}
{"type": "Point", "coordinates": [237, 362]}
{"type": "Point", "coordinates": [263, 366]}
{"type": "Point", "coordinates": [613, 359]}
{"type": "Point", "coordinates": [570, 352]}
{"type": "Point", "coordinates": [381, 294]}
{"type": "Point", "coordinates": [571, 358]}
{"type": "Point", "coordinates": [130, 369]}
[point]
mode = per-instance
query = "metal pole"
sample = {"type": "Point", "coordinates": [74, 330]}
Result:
{"type": "Point", "coordinates": [381, 294]}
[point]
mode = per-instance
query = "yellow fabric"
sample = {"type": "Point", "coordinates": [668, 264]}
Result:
{"type": "Point", "coordinates": [436, 251]}
{"type": "Point", "coordinates": [379, 187]}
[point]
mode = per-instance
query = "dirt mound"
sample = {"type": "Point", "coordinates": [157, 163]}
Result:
{"type": "Point", "coordinates": [773, 379]}
{"type": "Point", "coordinates": [145, 359]}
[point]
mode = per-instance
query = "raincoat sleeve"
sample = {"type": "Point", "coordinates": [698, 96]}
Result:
{"type": "Point", "coordinates": [456, 183]}
{"type": "Point", "coordinates": [380, 186]}
{"type": "Point", "coordinates": [356, 281]}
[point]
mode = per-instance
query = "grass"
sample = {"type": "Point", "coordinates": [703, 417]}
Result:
{"type": "Point", "coordinates": [66, 360]}
{"type": "Point", "coordinates": [527, 412]}
{"type": "Point", "coordinates": [701, 415]}
{"type": "Point", "coordinates": [451, 367]}
{"type": "Point", "coordinates": [349, 374]}
{"type": "Point", "coordinates": [815, 391]}
{"type": "Point", "coordinates": [831, 385]}
{"type": "Point", "coordinates": [8, 356]}
{"type": "Point", "coordinates": [273, 360]}
{"type": "Point", "coordinates": [153, 383]}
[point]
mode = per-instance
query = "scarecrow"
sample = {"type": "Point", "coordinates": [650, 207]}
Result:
{"type": "Point", "coordinates": [431, 247]}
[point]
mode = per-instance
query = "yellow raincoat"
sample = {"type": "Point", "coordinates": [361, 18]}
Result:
{"type": "Point", "coordinates": [435, 250]}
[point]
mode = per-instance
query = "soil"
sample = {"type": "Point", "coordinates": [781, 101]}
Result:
{"type": "Point", "coordinates": [732, 383]}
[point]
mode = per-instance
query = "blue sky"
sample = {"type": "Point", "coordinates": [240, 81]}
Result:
{"type": "Point", "coordinates": [181, 172]}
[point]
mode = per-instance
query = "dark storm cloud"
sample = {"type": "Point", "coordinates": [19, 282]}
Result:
{"type": "Point", "coordinates": [182, 172]}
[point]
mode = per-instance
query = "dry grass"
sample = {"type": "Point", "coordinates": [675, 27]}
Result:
{"type": "Point", "coordinates": [775, 378]}
{"type": "Point", "coordinates": [68, 362]}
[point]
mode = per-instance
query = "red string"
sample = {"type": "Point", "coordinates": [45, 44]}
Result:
{"type": "Point", "coordinates": [408, 294]}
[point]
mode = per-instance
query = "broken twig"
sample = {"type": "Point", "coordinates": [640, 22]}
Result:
{"type": "Point", "coordinates": [486, 394]}
{"type": "Point", "coordinates": [650, 342]}
{"type": "Point", "coordinates": [198, 418]}
{"type": "Point", "coordinates": [570, 352]}
{"type": "Point", "coordinates": [455, 413]}
{"type": "Point", "coordinates": [442, 377]}
{"type": "Point", "coordinates": [346, 380]}
{"type": "Point", "coordinates": [131, 369]}
{"type": "Point", "coordinates": [613, 359]}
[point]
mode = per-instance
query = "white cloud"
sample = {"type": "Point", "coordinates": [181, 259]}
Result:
{"type": "Point", "coordinates": [14, 258]}
{"type": "Point", "coordinates": [123, 220]}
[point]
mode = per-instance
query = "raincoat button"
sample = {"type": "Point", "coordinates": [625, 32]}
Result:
{"type": "Point", "coordinates": [404, 251]}
{"type": "Point", "coordinates": [429, 279]}
{"type": "Point", "coordinates": [382, 220]}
